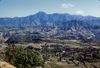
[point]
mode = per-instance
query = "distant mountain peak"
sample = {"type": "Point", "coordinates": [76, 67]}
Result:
{"type": "Point", "coordinates": [41, 12]}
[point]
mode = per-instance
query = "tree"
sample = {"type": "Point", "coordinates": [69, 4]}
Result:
{"type": "Point", "coordinates": [13, 40]}
{"type": "Point", "coordinates": [24, 39]}
{"type": "Point", "coordinates": [22, 58]}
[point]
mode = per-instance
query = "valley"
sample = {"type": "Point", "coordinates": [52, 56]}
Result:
{"type": "Point", "coordinates": [61, 53]}
{"type": "Point", "coordinates": [56, 40]}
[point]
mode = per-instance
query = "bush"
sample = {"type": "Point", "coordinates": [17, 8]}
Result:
{"type": "Point", "coordinates": [22, 58]}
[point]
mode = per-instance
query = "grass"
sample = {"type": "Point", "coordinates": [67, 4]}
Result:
{"type": "Point", "coordinates": [46, 66]}
{"type": "Point", "coordinates": [53, 65]}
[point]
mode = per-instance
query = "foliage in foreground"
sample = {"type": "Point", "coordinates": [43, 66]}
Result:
{"type": "Point", "coordinates": [22, 58]}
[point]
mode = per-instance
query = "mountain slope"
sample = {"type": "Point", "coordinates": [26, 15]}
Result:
{"type": "Point", "coordinates": [59, 25]}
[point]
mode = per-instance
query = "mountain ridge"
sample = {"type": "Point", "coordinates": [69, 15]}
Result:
{"type": "Point", "coordinates": [50, 14]}
{"type": "Point", "coordinates": [59, 25]}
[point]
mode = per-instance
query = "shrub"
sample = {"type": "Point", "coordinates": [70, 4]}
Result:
{"type": "Point", "coordinates": [22, 58]}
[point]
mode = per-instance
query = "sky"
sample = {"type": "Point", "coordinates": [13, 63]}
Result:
{"type": "Point", "coordinates": [21, 8]}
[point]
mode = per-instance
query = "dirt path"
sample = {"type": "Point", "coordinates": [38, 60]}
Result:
{"type": "Point", "coordinates": [47, 65]}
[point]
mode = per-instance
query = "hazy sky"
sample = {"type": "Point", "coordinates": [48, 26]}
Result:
{"type": "Point", "coordinates": [13, 8]}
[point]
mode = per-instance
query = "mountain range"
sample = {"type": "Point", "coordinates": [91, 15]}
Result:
{"type": "Point", "coordinates": [58, 25]}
